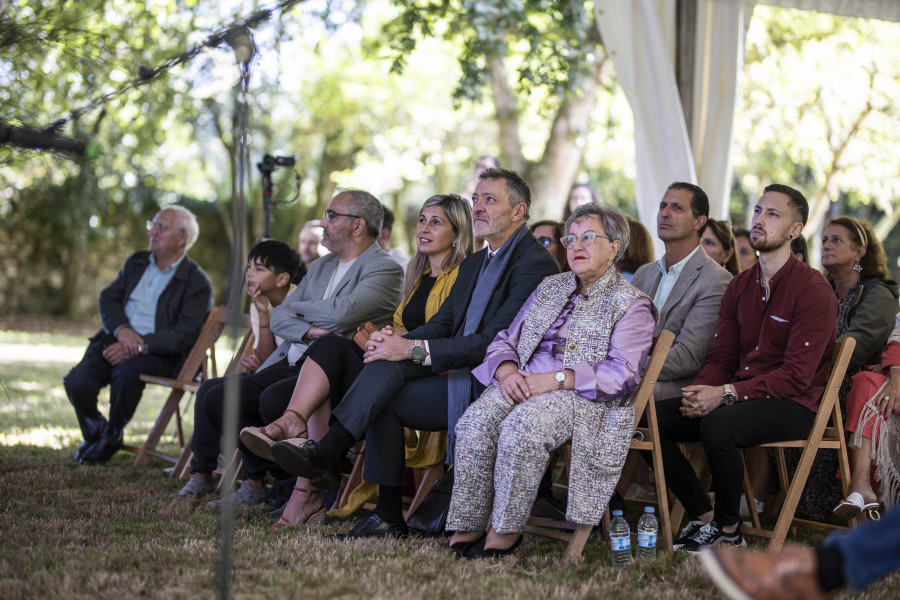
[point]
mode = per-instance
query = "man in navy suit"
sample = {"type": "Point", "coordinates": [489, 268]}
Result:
{"type": "Point", "coordinates": [422, 380]}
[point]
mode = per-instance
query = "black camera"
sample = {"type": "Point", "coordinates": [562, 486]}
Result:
{"type": "Point", "coordinates": [270, 163]}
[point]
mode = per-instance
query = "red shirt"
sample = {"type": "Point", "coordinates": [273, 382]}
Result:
{"type": "Point", "coordinates": [780, 346]}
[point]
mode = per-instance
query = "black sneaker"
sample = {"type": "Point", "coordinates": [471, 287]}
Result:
{"type": "Point", "coordinates": [712, 535]}
{"type": "Point", "coordinates": [687, 533]}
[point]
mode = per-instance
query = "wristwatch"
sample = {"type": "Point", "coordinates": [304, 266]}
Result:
{"type": "Point", "coordinates": [561, 379]}
{"type": "Point", "coordinates": [417, 352]}
{"type": "Point", "coordinates": [728, 398]}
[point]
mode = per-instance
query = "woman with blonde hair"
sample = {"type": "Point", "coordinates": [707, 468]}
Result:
{"type": "Point", "coordinates": [444, 237]}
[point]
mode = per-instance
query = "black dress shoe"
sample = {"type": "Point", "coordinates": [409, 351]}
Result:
{"type": "Point", "coordinates": [373, 526]}
{"type": "Point", "coordinates": [308, 459]}
{"type": "Point", "coordinates": [92, 429]}
{"type": "Point", "coordinates": [479, 551]}
{"type": "Point", "coordinates": [461, 548]}
{"type": "Point", "coordinates": [103, 449]}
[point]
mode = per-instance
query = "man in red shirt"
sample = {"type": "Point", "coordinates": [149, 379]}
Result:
{"type": "Point", "coordinates": [764, 377]}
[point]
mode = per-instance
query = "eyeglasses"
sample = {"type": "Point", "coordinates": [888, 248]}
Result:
{"type": "Point", "coordinates": [545, 241]}
{"type": "Point", "coordinates": [154, 226]}
{"type": "Point", "coordinates": [586, 239]}
{"type": "Point", "coordinates": [330, 215]}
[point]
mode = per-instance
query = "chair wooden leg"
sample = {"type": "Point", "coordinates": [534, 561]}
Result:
{"type": "Point", "coordinates": [749, 496]}
{"type": "Point", "coordinates": [159, 428]}
{"type": "Point", "coordinates": [230, 474]}
{"type": "Point", "coordinates": [356, 477]}
{"type": "Point", "coordinates": [792, 498]}
{"type": "Point", "coordinates": [183, 466]}
{"type": "Point", "coordinates": [430, 477]}
{"type": "Point", "coordinates": [579, 539]}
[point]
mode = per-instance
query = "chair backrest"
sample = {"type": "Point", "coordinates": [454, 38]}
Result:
{"type": "Point", "coordinates": [829, 407]}
{"type": "Point", "coordinates": [644, 393]}
{"type": "Point", "coordinates": [206, 340]}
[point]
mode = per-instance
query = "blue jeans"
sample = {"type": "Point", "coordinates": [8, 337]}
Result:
{"type": "Point", "coordinates": [869, 551]}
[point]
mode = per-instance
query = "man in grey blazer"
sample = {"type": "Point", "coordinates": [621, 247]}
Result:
{"type": "Point", "coordinates": [686, 285]}
{"type": "Point", "coordinates": [357, 282]}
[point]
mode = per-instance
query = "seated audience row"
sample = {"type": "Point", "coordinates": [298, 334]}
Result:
{"type": "Point", "coordinates": [514, 359]}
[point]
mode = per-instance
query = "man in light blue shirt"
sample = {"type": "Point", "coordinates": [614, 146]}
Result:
{"type": "Point", "coordinates": [151, 316]}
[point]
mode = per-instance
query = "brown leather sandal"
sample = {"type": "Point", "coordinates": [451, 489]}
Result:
{"type": "Point", "coordinates": [317, 518]}
{"type": "Point", "coordinates": [260, 444]}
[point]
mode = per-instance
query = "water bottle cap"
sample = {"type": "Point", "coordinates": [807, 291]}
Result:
{"type": "Point", "coordinates": [649, 509]}
{"type": "Point", "coordinates": [617, 513]}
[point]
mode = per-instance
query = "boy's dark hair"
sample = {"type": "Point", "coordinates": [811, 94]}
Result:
{"type": "Point", "coordinates": [278, 256]}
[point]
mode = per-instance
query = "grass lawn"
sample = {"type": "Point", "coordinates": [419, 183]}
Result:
{"type": "Point", "coordinates": [112, 532]}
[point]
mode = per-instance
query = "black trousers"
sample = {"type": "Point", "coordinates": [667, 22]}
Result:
{"type": "Point", "coordinates": [724, 432]}
{"type": "Point", "coordinates": [385, 398]}
{"type": "Point", "coordinates": [84, 382]}
{"type": "Point", "coordinates": [262, 395]}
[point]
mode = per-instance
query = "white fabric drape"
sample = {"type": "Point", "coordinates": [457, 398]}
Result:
{"type": "Point", "coordinates": [639, 36]}
{"type": "Point", "coordinates": [718, 63]}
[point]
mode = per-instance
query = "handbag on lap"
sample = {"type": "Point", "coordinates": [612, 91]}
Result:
{"type": "Point", "coordinates": [361, 337]}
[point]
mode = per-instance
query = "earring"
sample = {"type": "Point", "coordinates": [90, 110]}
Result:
{"type": "Point", "coordinates": [790, 237]}
{"type": "Point", "coordinates": [857, 267]}
{"type": "Point", "coordinates": [608, 263]}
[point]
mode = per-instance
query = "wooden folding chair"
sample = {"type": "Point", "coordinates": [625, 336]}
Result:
{"type": "Point", "coordinates": [577, 535]}
{"type": "Point", "coordinates": [192, 372]}
{"type": "Point", "coordinates": [827, 432]}
{"type": "Point", "coordinates": [182, 466]}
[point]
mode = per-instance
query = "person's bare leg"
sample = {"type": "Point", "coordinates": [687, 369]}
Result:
{"type": "Point", "coordinates": [500, 541]}
{"type": "Point", "coordinates": [860, 467]}
{"type": "Point", "coordinates": [302, 505]}
{"type": "Point", "coordinates": [465, 536]}
{"type": "Point", "coordinates": [311, 392]}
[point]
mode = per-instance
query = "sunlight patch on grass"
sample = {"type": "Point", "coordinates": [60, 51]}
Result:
{"type": "Point", "coordinates": [43, 437]}
{"type": "Point", "coordinates": [42, 353]}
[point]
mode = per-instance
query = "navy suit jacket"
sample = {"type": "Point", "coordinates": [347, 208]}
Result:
{"type": "Point", "coordinates": [528, 266]}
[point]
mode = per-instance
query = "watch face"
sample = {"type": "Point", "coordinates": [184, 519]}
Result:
{"type": "Point", "coordinates": [418, 353]}
{"type": "Point", "coordinates": [560, 377]}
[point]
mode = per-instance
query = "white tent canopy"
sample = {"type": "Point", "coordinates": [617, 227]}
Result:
{"type": "Point", "coordinates": [640, 37]}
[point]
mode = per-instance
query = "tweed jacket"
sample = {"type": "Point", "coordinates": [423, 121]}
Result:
{"type": "Point", "coordinates": [180, 311]}
{"type": "Point", "coordinates": [691, 312]}
{"type": "Point", "coordinates": [598, 448]}
{"type": "Point", "coordinates": [369, 291]}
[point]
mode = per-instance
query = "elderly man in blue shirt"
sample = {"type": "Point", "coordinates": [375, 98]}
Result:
{"type": "Point", "coordinates": [151, 315]}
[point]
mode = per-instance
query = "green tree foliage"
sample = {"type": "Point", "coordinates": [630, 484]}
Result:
{"type": "Point", "coordinates": [817, 110]}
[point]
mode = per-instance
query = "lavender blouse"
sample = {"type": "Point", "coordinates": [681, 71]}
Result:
{"type": "Point", "coordinates": [616, 376]}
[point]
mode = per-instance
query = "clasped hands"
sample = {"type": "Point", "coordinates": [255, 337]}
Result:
{"type": "Point", "coordinates": [384, 345]}
{"type": "Point", "coordinates": [129, 344]}
{"type": "Point", "coordinates": [517, 385]}
{"type": "Point", "coordinates": [700, 400]}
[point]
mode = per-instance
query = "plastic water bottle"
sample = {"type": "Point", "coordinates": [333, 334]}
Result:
{"type": "Point", "coordinates": [648, 529]}
{"type": "Point", "coordinates": [620, 539]}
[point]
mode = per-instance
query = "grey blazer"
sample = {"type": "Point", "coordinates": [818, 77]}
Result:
{"type": "Point", "coordinates": [370, 291]}
{"type": "Point", "coordinates": [691, 312]}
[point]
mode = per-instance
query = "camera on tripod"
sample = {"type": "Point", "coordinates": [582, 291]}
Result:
{"type": "Point", "coordinates": [270, 163]}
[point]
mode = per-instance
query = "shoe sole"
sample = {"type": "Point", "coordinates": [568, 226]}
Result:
{"type": "Point", "coordinates": [741, 544]}
{"type": "Point", "coordinates": [257, 442]}
{"type": "Point", "coordinates": [286, 455]}
{"type": "Point", "coordinates": [720, 577]}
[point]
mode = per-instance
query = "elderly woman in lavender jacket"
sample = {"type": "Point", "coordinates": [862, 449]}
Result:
{"type": "Point", "coordinates": [566, 368]}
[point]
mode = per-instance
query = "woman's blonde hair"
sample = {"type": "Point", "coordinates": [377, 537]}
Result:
{"type": "Point", "coordinates": [459, 213]}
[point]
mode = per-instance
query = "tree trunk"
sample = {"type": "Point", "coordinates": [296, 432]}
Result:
{"type": "Point", "coordinates": [506, 105]}
{"type": "Point", "coordinates": [551, 179]}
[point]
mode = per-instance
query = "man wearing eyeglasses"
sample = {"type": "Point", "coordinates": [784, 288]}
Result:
{"type": "Point", "coordinates": [357, 282]}
{"type": "Point", "coordinates": [151, 316]}
{"type": "Point", "coordinates": [686, 285]}
{"type": "Point", "coordinates": [422, 380]}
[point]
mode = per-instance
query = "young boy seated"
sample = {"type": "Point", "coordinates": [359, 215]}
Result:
{"type": "Point", "coordinates": [270, 266]}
